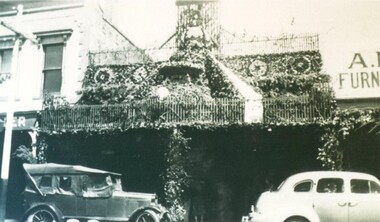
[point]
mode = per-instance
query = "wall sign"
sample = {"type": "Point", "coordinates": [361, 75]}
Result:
{"type": "Point", "coordinates": [21, 121]}
{"type": "Point", "coordinates": [359, 77]}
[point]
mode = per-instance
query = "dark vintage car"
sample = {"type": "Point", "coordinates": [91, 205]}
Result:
{"type": "Point", "coordinates": [58, 193]}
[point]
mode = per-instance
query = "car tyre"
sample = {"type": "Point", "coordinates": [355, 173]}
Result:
{"type": "Point", "coordinates": [147, 216]}
{"type": "Point", "coordinates": [166, 218]}
{"type": "Point", "coordinates": [296, 219]}
{"type": "Point", "coordinates": [40, 215]}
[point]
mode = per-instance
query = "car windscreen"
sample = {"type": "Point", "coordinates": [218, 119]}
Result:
{"type": "Point", "coordinates": [97, 185]}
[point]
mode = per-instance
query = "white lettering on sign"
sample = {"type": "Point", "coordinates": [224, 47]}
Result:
{"type": "Point", "coordinates": [17, 122]}
{"type": "Point", "coordinates": [360, 78]}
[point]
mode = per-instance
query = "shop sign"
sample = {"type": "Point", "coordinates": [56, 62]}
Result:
{"type": "Point", "coordinates": [359, 76]}
{"type": "Point", "coordinates": [21, 121]}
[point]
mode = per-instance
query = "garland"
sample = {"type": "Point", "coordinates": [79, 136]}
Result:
{"type": "Point", "coordinates": [219, 85]}
{"type": "Point", "coordinates": [280, 74]}
{"type": "Point", "coordinates": [176, 177]}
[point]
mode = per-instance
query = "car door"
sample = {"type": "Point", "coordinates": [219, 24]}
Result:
{"type": "Point", "coordinates": [364, 201]}
{"type": "Point", "coordinates": [64, 198]}
{"type": "Point", "coordinates": [330, 200]}
{"type": "Point", "coordinates": [95, 196]}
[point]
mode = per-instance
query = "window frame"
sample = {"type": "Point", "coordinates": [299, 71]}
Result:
{"type": "Point", "coordinates": [2, 50]}
{"type": "Point", "coordinates": [46, 39]}
{"type": "Point", "coordinates": [46, 70]}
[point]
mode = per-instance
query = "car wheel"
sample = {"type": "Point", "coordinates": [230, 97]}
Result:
{"type": "Point", "coordinates": [147, 216]}
{"type": "Point", "coordinates": [296, 219]}
{"type": "Point", "coordinates": [166, 218]}
{"type": "Point", "coordinates": [41, 215]}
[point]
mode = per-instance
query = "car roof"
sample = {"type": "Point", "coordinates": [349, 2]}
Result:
{"type": "Point", "coordinates": [319, 174]}
{"type": "Point", "coordinates": [316, 175]}
{"type": "Point", "coordinates": [53, 168]}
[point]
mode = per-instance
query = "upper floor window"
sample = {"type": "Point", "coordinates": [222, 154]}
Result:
{"type": "Point", "coordinates": [53, 68]}
{"type": "Point", "coordinates": [53, 44]}
{"type": "Point", "coordinates": [5, 61]}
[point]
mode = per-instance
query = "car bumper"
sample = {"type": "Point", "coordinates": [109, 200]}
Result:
{"type": "Point", "coordinates": [258, 217]}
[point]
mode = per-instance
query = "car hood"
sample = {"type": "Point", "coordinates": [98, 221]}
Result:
{"type": "Point", "coordinates": [137, 195]}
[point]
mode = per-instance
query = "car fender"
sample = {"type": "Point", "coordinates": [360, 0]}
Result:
{"type": "Point", "coordinates": [156, 208]}
{"type": "Point", "coordinates": [46, 206]}
{"type": "Point", "coordinates": [306, 212]}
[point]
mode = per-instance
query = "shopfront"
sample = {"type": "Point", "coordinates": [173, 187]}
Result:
{"type": "Point", "coordinates": [24, 133]}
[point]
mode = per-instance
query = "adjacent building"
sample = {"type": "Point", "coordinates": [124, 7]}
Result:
{"type": "Point", "coordinates": [51, 61]}
{"type": "Point", "coordinates": [53, 66]}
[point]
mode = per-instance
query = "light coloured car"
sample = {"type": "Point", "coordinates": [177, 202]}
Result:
{"type": "Point", "coordinates": [323, 196]}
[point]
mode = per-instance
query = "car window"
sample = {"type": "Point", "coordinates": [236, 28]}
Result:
{"type": "Point", "coordinates": [364, 186]}
{"type": "Point", "coordinates": [359, 186]}
{"type": "Point", "coordinates": [330, 185]}
{"type": "Point", "coordinates": [374, 187]}
{"type": "Point", "coordinates": [45, 181]}
{"type": "Point", "coordinates": [304, 186]}
{"type": "Point", "coordinates": [65, 183]}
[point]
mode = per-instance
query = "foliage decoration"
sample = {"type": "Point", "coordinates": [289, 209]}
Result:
{"type": "Point", "coordinates": [343, 124]}
{"type": "Point", "coordinates": [279, 74]}
{"type": "Point", "coordinates": [219, 85]}
{"type": "Point", "coordinates": [176, 177]}
{"type": "Point", "coordinates": [184, 62]}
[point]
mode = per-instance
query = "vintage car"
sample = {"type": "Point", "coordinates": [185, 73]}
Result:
{"type": "Point", "coordinates": [323, 196]}
{"type": "Point", "coordinates": [60, 193]}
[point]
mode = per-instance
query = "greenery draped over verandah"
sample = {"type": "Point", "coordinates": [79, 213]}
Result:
{"type": "Point", "coordinates": [122, 84]}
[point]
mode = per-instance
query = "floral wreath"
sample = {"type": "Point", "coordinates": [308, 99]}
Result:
{"type": "Point", "coordinates": [103, 75]}
{"type": "Point", "coordinates": [301, 65]}
{"type": "Point", "coordinates": [139, 74]}
{"type": "Point", "coordinates": [258, 68]}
